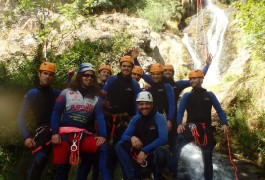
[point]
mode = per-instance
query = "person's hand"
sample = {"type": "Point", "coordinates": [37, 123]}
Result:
{"type": "Point", "coordinates": [209, 60]}
{"type": "Point", "coordinates": [29, 143]}
{"type": "Point", "coordinates": [136, 142]}
{"type": "Point", "coordinates": [146, 86]}
{"type": "Point", "coordinates": [141, 158]}
{"type": "Point", "coordinates": [56, 139]}
{"type": "Point", "coordinates": [103, 93]}
{"type": "Point", "coordinates": [180, 129]}
{"type": "Point", "coordinates": [100, 140]}
{"type": "Point", "coordinates": [134, 53]}
{"type": "Point", "coordinates": [106, 104]}
{"type": "Point", "coordinates": [224, 128]}
{"type": "Point", "coordinates": [169, 125]}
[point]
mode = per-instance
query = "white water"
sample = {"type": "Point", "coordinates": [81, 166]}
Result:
{"type": "Point", "coordinates": [191, 154]}
{"type": "Point", "coordinates": [215, 38]}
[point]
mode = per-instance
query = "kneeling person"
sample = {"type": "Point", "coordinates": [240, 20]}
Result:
{"type": "Point", "coordinates": [142, 142]}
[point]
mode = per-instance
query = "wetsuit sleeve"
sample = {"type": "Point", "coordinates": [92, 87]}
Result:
{"type": "Point", "coordinates": [57, 92]}
{"type": "Point", "coordinates": [130, 129]}
{"type": "Point", "coordinates": [147, 78]}
{"type": "Point", "coordinates": [162, 134]}
{"type": "Point", "coordinates": [171, 101]}
{"type": "Point", "coordinates": [24, 109]}
{"type": "Point", "coordinates": [205, 69]}
{"type": "Point", "coordinates": [137, 90]}
{"type": "Point", "coordinates": [182, 107]}
{"type": "Point", "coordinates": [182, 84]}
{"type": "Point", "coordinates": [99, 113]}
{"type": "Point", "coordinates": [136, 62]}
{"type": "Point", "coordinates": [58, 110]}
{"type": "Point", "coordinates": [218, 108]}
{"type": "Point", "coordinates": [108, 83]}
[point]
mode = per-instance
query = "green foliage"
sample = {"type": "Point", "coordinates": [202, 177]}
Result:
{"type": "Point", "coordinates": [252, 17]}
{"type": "Point", "coordinates": [158, 12]}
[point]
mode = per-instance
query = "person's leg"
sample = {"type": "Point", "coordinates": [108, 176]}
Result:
{"type": "Point", "coordinates": [85, 166]}
{"type": "Point", "coordinates": [182, 140]}
{"type": "Point", "coordinates": [96, 170]}
{"type": "Point", "coordinates": [207, 154]}
{"type": "Point", "coordinates": [61, 154]}
{"type": "Point", "coordinates": [160, 161]}
{"type": "Point", "coordinates": [38, 165]}
{"type": "Point", "coordinates": [123, 151]}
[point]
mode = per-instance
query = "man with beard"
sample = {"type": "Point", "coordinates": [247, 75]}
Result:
{"type": "Point", "coordinates": [198, 104]}
{"type": "Point", "coordinates": [120, 93]}
{"type": "Point", "coordinates": [141, 146]}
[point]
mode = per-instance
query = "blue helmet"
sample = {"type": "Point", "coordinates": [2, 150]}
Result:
{"type": "Point", "coordinates": [86, 67]}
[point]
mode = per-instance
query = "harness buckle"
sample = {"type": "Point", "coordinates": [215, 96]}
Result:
{"type": "Point", "coordinates": [192, 126]}
{"type": "Point", "coordinates": [74, 146]}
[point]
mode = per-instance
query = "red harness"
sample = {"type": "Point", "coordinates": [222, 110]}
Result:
{"type": "Point", "coordinates": [196, 135]}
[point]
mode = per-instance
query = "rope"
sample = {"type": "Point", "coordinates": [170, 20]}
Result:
{"type": "Point", "coordinates": [203, 36]}
{"type": "Point", "coordinates": [114, 118]}
{"type": "Point", "coordinates": [196, 134]}
{"type": "Point", "coordinates": [134, 156]}
{"type": "Point", "coordinates": [75, 155]}
{"type": "Point", "coordinates": [230, 156]}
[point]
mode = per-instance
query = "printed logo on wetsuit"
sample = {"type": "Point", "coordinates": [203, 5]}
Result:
{"type": "Point", "coordinates": [206, 99]}
{"type": "Point", "coordinates": [161, 90]}
{"type": "Point", "coordinates": [87, 107]}
{"type": "Point", "coordinates": [128, 89]}
{"type": "Point", "coordinates": [152, 128]}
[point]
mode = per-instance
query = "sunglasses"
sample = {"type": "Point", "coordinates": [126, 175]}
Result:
{"type": "Point", "coordinates": [88, 75]}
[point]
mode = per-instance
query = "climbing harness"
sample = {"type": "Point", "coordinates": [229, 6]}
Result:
{"type": "Point", "coordinates": [46, 141]}
{"type": "Point", "coordinates": [230, 156]}
{"type": "Point", "coordinates": [115, 124]}
{"type": "Point", "coordinates": [196, 135]}
{"type": "Point", "coordinates": [134, 156]}
{"type": "Point", "coordinates": [75, 152]}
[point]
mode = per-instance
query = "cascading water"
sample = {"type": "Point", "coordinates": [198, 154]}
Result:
{"type": "Point", "coordinates": [191, 159]}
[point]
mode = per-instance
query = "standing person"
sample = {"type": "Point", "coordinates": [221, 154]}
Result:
{"type": "Point", "coordinates": [162, 93]}
{"type": "Point", "coordinates": [198, 104]}
{"type": "Point", "coordinates": [120, 93]}
{"type": "Point", "coordinates": [137, 73]}
{"type": "Point", "coordinates": [75, 109]}
{"type": "Point", "coordinates": [40, 101]}
{"type": "Point", "coordinates": [92, 160]}
{"type": "Point", "coordinates": [104, 72]}
{"type": "Point", "coordinates": [142, 143]}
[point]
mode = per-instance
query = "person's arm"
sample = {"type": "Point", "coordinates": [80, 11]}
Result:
{"type": "Point", "coordinates": [99, 113]}
{"type": "Point", "coordinates": [137, 90]}
{"type": "Point", "coordinates": [162, 133]}
{"type": "Point", "coordinates": [208, 62]}
{"type": "Point", "coordinates": [171, 101]}
{"type": "Point", "coordinates": [218, 108]}
{"type": "Point", "coordinates": [182, 107]}
{"type": "Point", "coordinates": [58, 110]}
{"type": "Point", "coordinates": [29, 98]}
{"type": "Point", "coordinates": [130, 129]}
{"type": "Point", "coordinates": [182, 84]}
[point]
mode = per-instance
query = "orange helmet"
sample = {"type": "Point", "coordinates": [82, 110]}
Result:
{"type": "Point", "coordinates": [47, 66]}
{"type": "Point", "coordinates": [169, 67]}
{"type": "Point", "coordinates": [137, 70]}
{"type": "Point", "coordinates": [156, 68]}
{"type": "Point", "coordinates": [104, 66]}
{"type": "Point", "coordinates": [127, 59]}
{"type": "Point", "coordinates": [197, 73]}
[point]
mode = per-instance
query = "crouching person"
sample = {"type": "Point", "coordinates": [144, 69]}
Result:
{"type": "Point", "coordinates": [75, 109]}
{"type": "Point", "coordinates": [141, 145]}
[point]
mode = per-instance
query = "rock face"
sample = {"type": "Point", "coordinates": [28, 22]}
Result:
{"type": "Point", "coordinates": [160, 47]}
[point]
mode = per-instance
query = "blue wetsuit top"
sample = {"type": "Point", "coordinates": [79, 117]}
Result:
{"type": "Point", "coordinates": [151, 130]}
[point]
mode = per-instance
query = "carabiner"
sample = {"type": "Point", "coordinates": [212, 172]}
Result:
{"type": "Point", "coordinates": [74, 146]}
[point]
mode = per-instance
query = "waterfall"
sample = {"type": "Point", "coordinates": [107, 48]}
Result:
{"type": "Point", "coordinates": [191, 154]}
{"type": "Point", "coordinates": [215, 38]}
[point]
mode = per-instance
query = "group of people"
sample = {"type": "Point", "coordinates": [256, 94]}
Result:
{"type": "Point", "coordinates": [101, 120]}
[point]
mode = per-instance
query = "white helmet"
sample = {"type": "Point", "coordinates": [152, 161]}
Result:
{"type": "Point", "coordinates": [86, 67]}
{"type": "Point", "coordinates": [144, 96]}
